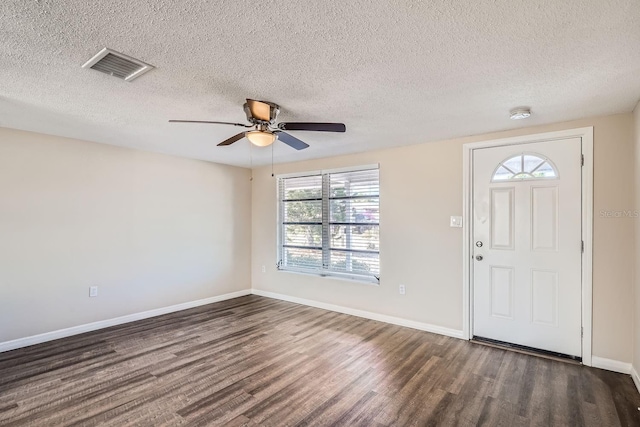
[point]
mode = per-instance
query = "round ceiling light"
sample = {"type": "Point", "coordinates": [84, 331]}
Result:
{"type": "Point", "coordinates": [261, 138]}
{"type": "Point", "coordinates": [519, 113]}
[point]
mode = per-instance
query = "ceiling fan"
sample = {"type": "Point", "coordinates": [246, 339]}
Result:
{"type": "Point", "coordinates": [262, 116]}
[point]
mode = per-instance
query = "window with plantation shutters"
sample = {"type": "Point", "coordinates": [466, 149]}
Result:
{"type": "Point", "coordinates": [329, 223]}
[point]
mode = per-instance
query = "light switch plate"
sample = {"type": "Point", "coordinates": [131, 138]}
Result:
{"type": "Point", "coordinates": [456, 221]}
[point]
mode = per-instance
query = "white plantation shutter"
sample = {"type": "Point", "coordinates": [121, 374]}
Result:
{"type": "Point", "coordinates": [354, 222]}
{"type": "Point", "coordinates": [330, 223]}
{"type": "Point", "coordinates": [301, 225]}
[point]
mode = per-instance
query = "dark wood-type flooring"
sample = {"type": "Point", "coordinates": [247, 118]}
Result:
{"type": "Point", "coordinates": [258, 361]}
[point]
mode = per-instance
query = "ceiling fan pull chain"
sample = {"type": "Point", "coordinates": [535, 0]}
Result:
{"type": "Point", "coordinates": [251, 160]}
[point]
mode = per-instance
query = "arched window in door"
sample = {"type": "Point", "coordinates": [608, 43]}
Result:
{"type": "Point", "coordinates": [525, 166]}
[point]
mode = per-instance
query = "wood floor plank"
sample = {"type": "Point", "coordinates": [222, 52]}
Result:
{"type": "Point", "coordinates": [255, 361]}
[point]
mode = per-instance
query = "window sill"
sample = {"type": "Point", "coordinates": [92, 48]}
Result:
{"type": "Point", "coordinates": [336, 276]}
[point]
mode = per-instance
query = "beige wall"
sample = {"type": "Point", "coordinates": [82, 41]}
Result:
{"type": "Point", "coordinates": [150, 230]}
{"type": "Point", "coordinates": [636, 311]}
{"type": "Point", "coordinates": [421, 187]}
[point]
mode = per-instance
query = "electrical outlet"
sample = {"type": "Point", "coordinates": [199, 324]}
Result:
{"type": "Point", "coordinates": [456, 221]}
{"type": "Point", "coordinates": [264, 268]}
{"type": "Point", "coordinates": [401, 289]}
{"type": "Point", "coordinates": [93, 291]}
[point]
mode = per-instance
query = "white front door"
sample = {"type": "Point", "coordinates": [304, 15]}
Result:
{"type": "Point", "coordinates": [527, 245]}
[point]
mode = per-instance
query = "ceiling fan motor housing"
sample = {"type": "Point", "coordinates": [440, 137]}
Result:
{"type": "Point", "coordinates": [274, 109]}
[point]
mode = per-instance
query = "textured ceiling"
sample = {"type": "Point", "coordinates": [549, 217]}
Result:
{"type": "Point", "coordinates": [395, 72]}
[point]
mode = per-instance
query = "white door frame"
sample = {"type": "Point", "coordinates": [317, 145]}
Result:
{"type": "Point", "coordinates": [586, 134]}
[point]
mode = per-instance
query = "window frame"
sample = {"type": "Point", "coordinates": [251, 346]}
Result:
{"type": "Point", "coordinates": [324, 173]}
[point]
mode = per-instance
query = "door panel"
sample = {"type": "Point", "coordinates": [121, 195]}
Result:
{"type": "Point", "coordinates": [544, 218]}
{"type": "Point", "coordinates": [527, 214]}
{"type": "Point", "coordinates": [544, 297]}
{"type": "Point", "coordinates": [502, 209]}
{"type": "Point", "coordinates": [502, 292]}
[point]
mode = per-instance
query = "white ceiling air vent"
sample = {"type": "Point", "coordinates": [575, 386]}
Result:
{"type": "Point", "coordinates": [117, 64]}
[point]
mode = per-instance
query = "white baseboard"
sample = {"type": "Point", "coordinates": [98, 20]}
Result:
{"type": "Point", "coordinates": [636, 377]}
{"type": "Point", "coordinates": [75, 330]}
{"type": "Point", "coordinates": [611, 365]}
{"type": "Point", "coordinates": [366, 314]}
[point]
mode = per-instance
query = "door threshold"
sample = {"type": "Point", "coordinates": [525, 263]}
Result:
{"type": "Point", "coordinates": [560, 357]}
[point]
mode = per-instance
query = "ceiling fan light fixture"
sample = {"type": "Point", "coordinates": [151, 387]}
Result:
{"type": "Point", "coordinates": [261, 138]}
{"type": "Point", "coordinates": [520, 113]}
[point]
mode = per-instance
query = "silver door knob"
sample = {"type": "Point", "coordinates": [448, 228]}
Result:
{"type": "Point", "coordinates": [479, 258]}
{"type": "Point", "coordinates": [479, 244]}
